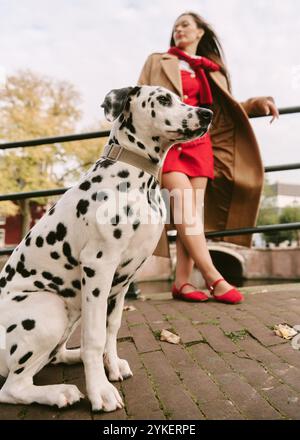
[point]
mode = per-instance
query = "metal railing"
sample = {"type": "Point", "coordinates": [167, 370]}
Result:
{"type": "Point", "coordinates": [101, 134]}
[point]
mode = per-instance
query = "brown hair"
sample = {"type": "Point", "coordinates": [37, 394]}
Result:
{"type": "Point", "coordinates": [209, 46]}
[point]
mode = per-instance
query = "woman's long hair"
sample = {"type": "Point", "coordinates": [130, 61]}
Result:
{"type": "Point", "coordinates": [209, 46]}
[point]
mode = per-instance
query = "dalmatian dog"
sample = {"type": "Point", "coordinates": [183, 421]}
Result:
{"type": "Point", "coordinates": [77, 262]}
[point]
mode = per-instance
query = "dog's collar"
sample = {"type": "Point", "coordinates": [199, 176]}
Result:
{"type": "Point", "coordinates": [116, 152]}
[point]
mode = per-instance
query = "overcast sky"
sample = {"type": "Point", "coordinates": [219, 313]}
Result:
{"type": "Point", "coordinates": [102, 44]}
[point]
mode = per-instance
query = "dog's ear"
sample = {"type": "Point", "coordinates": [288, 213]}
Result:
{"type": "Point", "coordinates": [115, 102]}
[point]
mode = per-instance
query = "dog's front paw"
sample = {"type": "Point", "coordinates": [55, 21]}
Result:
{"type": "Point", "coordinates": [118, 370]}
{"type": "Point", "coordinates": [124, 371]}
{"type": "Point", "coordinates": [68, 395]}
{"type": "Point", "coordinates": [107, 399]}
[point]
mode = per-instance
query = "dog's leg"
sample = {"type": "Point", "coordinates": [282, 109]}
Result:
{"type": "Point", "coordinates": [21, 390]}
{"type": "Point", "coordinates": [96, 284]}
{"type": "Point", "coordinates": [68, 355]}
{"type": "Point", "coordinates": [39, 324]}
{"type": "Point", "coordinates": [118, 369]}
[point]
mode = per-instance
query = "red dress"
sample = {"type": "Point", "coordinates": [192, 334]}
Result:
{"type": "Point", "coordinates": [194, 158]}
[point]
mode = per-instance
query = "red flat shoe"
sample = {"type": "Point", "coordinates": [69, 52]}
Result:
{"type": "Point", "coordinates": [195, 296]}
{"type": "Point", "coordinates": [232, 296]}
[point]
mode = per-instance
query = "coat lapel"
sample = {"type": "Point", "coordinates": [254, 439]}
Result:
{"type": "Point", "coordinates": [221, 82]}
{"type": "Point", "coordinates": [170, 66]}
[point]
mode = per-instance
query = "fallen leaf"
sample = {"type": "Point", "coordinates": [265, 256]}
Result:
{"type": "Point", "coordinates": [285, 331]}
{"type": "Point", "coordinates": [167, 336]}
{"type": "Point", "coordinates": [129, 309]}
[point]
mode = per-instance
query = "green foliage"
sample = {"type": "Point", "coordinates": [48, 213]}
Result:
{"type": "Point", "coordinates": [290, 214]}
{"type": "Point", "coordinates": [237, 335]}
{"type": "Point", "coordinates": [34, 106]}
{"type": "Point", "coordinates": [269, 214]}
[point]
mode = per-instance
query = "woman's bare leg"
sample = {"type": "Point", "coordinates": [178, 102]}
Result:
{"type": "Point", "coordinates": [212, 274]}
{"type": "Point", "coordinates": [191, 246]}
{"type": "Point", "coordinates": [184, 262]}
{"type": "Point", "coordinates": [184, 266]}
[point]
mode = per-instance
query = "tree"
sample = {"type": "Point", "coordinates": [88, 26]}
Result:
{"type": "Point", "coordinates": [268, 213]}
{"type": "Point", "coordinates": [80, 155]}
{"type": "Point", "coordinates": [33, 106]}
{"type": "Point", "coordinates": [290, 214]}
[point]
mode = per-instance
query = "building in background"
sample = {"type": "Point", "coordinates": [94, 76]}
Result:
{"type": "Point", "coordinates": [11, 227]}
{"type": "Point", "coordinates": [285, 194]}
{"type": "Point", "coordinates": [280, 204]}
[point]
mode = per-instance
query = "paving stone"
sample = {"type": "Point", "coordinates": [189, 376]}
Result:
{"type": "Point", "coordinates": [208, 359]}
{"type": "Point", "coordinates": [246, 398]}
{"type": "Point", "coordinates": [193, 311]}
{"type": "Point", "coordinates": [260, 332]}
{"type": "Point", "coordinates": [79, 411]}
{"type": "Point", "coordinates": [288, 373]}
{"type": "Point", "coordinates": [124, 331]}
{"type": "Point", "coordinates": [177, 403]}
{"type": "Point", "coordinates": [138, 389]}
{"type": "Point", "coordinates": [288, 354]}
{"type": "Point", "coordinates": [134, 318]}
{"type": "Point", "coordinates": [144, 339]}
{"type": "Point", "coordinates": [257, 351]}
{"type": "Point", "coordinates": [49, 375]}
{"type": "Point", "coordinates": [187, 331]}
{"type": "Point", "coordinates": [221, 410]}
{"type": "Point", "coordinates": [199, 383]}
{"type": "Point", "coordinates": [267, 318]}
{"type": "Point", "coordinates": [13, 412]}
{"type": "Point", "coordinates": [216, 339]}
{"type": "Point", "coordinates": [171, 311]}
{"type": "Point", "coordinates": [251, 376]}
{"type": "Point", "coordinates": [155, 319]}
{"type": "Point", "coordinates": [229, 325]}
{"type": "Point", "coordinates": [286, 400]}
{"type": "Point", "coordinates": [149, 310]}
{"type": "Point", "coordinates": [253, 372]}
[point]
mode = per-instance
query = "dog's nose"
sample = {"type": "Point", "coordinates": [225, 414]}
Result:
{"type": "Point", "coordinates": [204, 115]}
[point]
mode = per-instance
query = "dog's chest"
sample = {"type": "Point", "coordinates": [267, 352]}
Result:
{"type": "Point", "coordinates": [115, 204]}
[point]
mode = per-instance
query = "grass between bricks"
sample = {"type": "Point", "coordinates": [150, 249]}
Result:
{"type": "Point", "coordinates": [167, 413]}
{"type": "Point", "coordinates": [238, 335]}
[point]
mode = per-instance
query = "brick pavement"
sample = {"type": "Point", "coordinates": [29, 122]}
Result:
{"type": "Point", "coordinates": [229, 364]}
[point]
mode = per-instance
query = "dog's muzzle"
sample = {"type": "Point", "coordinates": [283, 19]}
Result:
{"type": "Point", "coordinates": [205, 116]}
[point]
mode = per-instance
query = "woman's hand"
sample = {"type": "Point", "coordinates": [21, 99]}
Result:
{"type": "Point", "coordinates": [266, 106]}
{"type": "Point", "coordinates": [260, 106]}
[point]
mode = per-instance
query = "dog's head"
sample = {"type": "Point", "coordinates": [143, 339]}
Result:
{"type": "Point", "coordinates": [156, 112]}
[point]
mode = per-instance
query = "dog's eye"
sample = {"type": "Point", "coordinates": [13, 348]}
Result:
{"type": "Point", "coordinates": [165, 100]}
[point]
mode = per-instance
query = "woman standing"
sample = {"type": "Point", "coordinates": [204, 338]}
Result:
{"type": "Point", "coordinates": [225, 164]}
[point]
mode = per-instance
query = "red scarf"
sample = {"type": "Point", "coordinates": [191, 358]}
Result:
{"type": "Point", "coordinates": [199, 65]}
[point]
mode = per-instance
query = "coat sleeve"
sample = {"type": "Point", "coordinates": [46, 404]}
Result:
{"type": "Point", "coordinates": [145, 75]}
{"type": "Point", "coordinates": [249, 106]}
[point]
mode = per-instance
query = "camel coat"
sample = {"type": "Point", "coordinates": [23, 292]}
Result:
{"type": "Point", "coordinates": [232, 198]}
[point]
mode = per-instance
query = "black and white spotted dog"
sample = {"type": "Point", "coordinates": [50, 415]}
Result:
{"type": "Point", "coordinates": [79, 259]}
